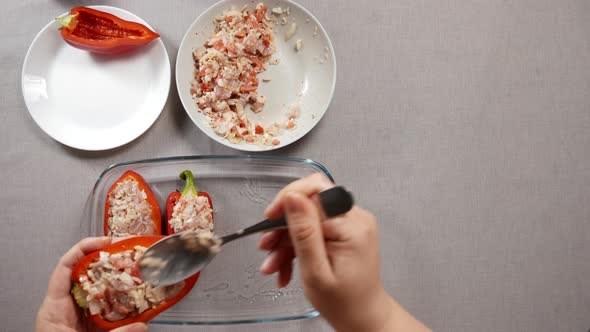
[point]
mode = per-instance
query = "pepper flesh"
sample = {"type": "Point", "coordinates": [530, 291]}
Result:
{"type": "Point", "coordinates": [100, 32]}
{"type": "Point", "coordinates": [173, 198]}
{"type": "Point", "coordinates": [81, 268]}
{"type": "Point", "coordinates": [156, 213]}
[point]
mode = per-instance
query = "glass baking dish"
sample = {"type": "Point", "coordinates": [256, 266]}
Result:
{"type": "Point", "coordinates": [230, 289]}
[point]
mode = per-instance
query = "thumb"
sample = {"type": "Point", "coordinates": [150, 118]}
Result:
{"type": "Point", "coordinates": [304, 222]}
{"type": "Point", "coordinates": [135, 327]}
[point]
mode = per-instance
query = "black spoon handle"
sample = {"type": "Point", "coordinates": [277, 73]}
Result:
{"type": "Point", "coordinates": [335, 201]}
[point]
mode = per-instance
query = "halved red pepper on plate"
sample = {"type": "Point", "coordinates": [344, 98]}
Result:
{"type": "Point", "coordinates": [100, 32]}
{"type": "Point", "coordinates": [155, 212]}
{"type": "Point", "coordinates": [185, 198]}
{"type": "Point", "coordinates": [80, 270]}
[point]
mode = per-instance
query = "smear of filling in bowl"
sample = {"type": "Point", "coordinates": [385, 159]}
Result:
{"type": "Point", "coordinates": [226, 77]}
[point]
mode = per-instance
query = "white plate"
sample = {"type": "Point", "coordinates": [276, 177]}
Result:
{"type": "Point", "coordinates": [94, 102]}
{"type": "Point", "coordinates": [297, 73]}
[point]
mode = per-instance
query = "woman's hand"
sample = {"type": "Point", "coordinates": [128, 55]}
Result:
{"type": "Point", "coordinates": [338, 260]}
{"type": "Point", "coordinates": [59, 312]}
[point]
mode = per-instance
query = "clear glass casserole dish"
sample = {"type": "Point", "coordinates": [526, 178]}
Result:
{"type": "Point", "coordinates": [230, 289]}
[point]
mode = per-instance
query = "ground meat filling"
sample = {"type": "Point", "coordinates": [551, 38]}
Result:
{"type": "Point", "coordinates": [192, 213]}
{"type": "Point", "coordinates": [130, 213]}
{"type": "Point", "coordinates": [225, 77]}
{"type": "Point", "coordinates": [113, 289]}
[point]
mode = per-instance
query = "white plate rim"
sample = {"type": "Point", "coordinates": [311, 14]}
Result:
{"type": "Point", "coordinates": [148, 125]}
{"type": "Point", "coordinates": [254, 147]}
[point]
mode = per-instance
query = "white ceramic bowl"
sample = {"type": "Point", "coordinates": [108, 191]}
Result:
{"type": "Point", "coordinates": [307, 76]}
{"type": "Point", "coordinates": [89, 101]}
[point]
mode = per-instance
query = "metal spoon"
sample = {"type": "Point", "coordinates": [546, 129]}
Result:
{"type": "Point", "coordinates": [181, 255]}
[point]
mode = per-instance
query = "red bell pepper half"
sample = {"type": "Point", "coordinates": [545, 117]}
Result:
{"type": "Point", "coordinates": [99, 32]}
{"type": "Point", "coordinates": [174, 198]}
{"type": "Point", "coordinates": [156, 213]}
{"type": "Point", "coordinates": [81, 268]}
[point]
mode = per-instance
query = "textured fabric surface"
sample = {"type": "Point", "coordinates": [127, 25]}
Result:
{"type": "Point", "coordinates": [464, 126]}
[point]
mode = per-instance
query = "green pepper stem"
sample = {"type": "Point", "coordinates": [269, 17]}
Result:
{"type": "Point", "coordinates": [190, 183]}
{"type": "Point", "coordinates": [65, 20]}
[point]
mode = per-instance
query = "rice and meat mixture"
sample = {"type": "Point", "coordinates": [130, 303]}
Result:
{"type": "Point", "coordinates": [192, 213]}
{"type": "Point", "coordinates": [225, 78]}
{"type": "Point", "coordinates": [112, 286]}
{"type": "Point", "coordinates": [130, 213]}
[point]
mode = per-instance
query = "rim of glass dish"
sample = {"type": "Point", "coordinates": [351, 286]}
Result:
{"type": "Point", "coordinates": [311, 314]}
{"type": "Point", "coordinates": [202, 157]}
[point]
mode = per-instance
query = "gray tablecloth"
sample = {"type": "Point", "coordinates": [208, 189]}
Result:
{"type": "Point", "coordinates": [464, 125]}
